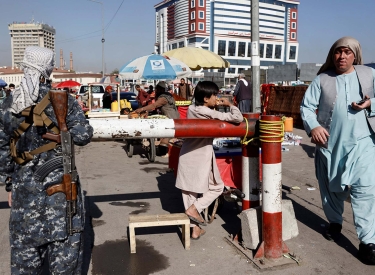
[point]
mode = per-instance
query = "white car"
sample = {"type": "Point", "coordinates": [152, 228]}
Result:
{"type": "Point", "coordinates": [97, 92]}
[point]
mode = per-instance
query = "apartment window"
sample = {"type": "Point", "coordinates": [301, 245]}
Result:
{"type": "Point", "coordinates": [181, 44]}
{"type": "Point", "coordinates": [292, 52]}
{"type": "Point", "coordinates": [193, 15]}
{"type": "Point", "coordinates": [269, 50]}
{"type": "Point", "coordinates": [201, 26]}
{"type": "Point", "coordinates": [192, 3]}
{"type": "Point", "coordinates": [231, 48]}
{"type": "Point", "coordinates": [261, 50]}
{"type": "Point", "coordinates": [294, 15]}
{"type": "Point", "coordinates": [192, 27]}
{"type": "Point", "coordinates": [201, 3]}
{"type": "Point", "coordinates": [232, 70]}
{"type": "Point", "coordinates": [249, 49]}
{"type": "Point", "coordinates": [240, 70]}
{"type": "Point", "coordinates": [241, 49]}
{"type": "Point", "coordinates": [174, 46]}
{"type": "Point", "coordinates": [278, 52]}
{"type": "Point", "coordinates": [222, 47]}
{"type": "Point", "coordinates": [201, 15]}
{"type": "Point", "coordinates": [294, 25]}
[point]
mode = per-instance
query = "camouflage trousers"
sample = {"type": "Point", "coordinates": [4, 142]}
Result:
{"type": "Point", "coordinates": [64, 257]}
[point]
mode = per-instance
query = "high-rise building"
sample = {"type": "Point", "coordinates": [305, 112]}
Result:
{"type": "Point", "coordinates": [224, 27]}
{"type": "Point", "coordinates": [24, 34]}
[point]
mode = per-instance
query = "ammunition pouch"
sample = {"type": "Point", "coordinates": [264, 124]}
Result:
{"type": "Point", "coordinates": [34, 115]}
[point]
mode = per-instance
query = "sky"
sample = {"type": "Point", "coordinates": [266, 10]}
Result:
{"type": "Point", "coordinates": [130, 29]}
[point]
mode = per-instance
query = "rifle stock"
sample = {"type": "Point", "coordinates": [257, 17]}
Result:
{"type": "Point", "coordinates": [59, 101]}
{"type": "Point", "coordinates": [68, 186]}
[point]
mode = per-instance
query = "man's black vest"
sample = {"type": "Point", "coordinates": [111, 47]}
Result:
{"type": "Point", "coordinates": [244, 92]}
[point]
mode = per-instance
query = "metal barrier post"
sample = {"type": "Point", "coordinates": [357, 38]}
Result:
{"type": "Point", "coordinates": [271, 133]}
{"type": "Point", "coordinates": [250, 171]}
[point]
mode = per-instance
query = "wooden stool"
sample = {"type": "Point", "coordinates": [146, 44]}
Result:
{"type": "Point", "coordinates": [159, 220]}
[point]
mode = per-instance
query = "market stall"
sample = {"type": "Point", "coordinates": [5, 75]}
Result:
{"type": "Point", "coordinates": [95, 111]}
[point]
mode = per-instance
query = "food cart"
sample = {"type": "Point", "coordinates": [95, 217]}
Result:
{"type": "Point", "coordinates": [95, 111]}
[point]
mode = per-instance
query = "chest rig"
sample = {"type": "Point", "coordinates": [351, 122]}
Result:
{"type": "Point", "coordinates": [34, 116]}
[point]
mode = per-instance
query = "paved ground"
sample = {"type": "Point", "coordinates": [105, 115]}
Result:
{"type": "Point", "coordinates": [116, 186]}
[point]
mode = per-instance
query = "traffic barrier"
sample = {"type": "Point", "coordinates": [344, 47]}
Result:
{"type": "Point", "coordinates": [271, 132]}
{"type": "Point", "coordinates": [250, 171]}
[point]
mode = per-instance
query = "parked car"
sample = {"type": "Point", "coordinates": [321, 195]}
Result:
{"type": "Point", "coordinates": [129, 96]}
{"type": "Point", "coordinates": [97, 92]}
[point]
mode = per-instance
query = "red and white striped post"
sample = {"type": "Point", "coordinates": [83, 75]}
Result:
{"type": "Point", "coordinates": [271, 133]}
{"type": "Point", "coordinates": [250, 171]}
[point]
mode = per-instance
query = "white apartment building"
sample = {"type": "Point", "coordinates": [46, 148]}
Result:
{"type": "Point", "coordinates": [224, 27]}
{"type": "Point", "coordinates": [23, 35]}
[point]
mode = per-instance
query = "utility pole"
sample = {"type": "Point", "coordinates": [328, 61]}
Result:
{"type": "Point", "coordinates": [255, 59]}
{"type": "Point", "coordinates": [103, 40]}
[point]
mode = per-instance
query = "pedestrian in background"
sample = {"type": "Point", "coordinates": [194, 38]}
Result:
{"type": "Point", "coordinates": [11, 89]}
{"type": "Point", "coordinates": [343, 131]}
{"type": "Point", "coordinates": [243, 94]}
{"type": "Point", "coordinates": [143, 97]}
{"type": "Point", "coordinates": [38, 222]}
{"type": "Point", "coordinates": [197, 169]}
{"type": "Point", "coordinates": [184, 90]}
{"type": "Point", "coordinates": [107, 97]}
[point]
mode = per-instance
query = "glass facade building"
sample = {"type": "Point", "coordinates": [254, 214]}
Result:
{"type": "Point", "coordinates": [224, 27]}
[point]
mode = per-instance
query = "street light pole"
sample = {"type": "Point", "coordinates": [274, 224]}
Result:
{"type": "Point", "coordinates": [103, 40]}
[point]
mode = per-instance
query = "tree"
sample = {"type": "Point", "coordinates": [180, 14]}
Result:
{"type": "Point", "coordinates": [115, 71]}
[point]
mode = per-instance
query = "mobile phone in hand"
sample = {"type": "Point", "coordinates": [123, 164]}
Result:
{"type": "Point", "coordinates": [362, 101]}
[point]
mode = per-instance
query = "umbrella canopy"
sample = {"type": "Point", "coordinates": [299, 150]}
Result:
{"type": "Point", "coordinates": [68, 84]}
{"type": "Point", "coordinates": [154, 67]}
{"type": "Point", "coordinates": [198, 58]}
{"type": "Point", "coordinates": [3, 83]}
{"type": "Point", "coordinates": [110, 79]}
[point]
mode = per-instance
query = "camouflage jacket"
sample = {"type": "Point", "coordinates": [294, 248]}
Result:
{"type": "Point", "coordinates": [37, 218]}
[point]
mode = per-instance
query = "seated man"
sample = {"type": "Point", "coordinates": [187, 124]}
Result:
{"type": "Point", "coordinates": [166, 103]}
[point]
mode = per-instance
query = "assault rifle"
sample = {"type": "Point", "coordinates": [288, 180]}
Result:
{"type": "Point", "coordinates": [68, 186]}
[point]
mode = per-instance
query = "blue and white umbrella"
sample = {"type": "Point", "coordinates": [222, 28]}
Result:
{"type": "Point", "coordinates": [155, 67]}
{"type": "Point", "coordinates": [3, 83]}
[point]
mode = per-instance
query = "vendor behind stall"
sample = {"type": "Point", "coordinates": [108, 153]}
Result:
{"type": "Point", "coordinates": [166, 103]}
{"type": "Point", "coordinates": [107, 97]}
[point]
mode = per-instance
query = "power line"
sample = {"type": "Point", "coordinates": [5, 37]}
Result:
{"type": "Point", "coordinates": [113, 16]}
{"type": "Point", "coordinates": [72, 38]}
{"type": "Point", "coordinates": [67, 41]}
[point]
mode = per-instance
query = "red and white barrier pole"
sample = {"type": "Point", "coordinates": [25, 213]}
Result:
{"type": "Point", "coordinates": [271, 134]}
{"type": "Point", "coordinates": [250, 171]}
{"type": "Point", "coordinates": [168, 128]}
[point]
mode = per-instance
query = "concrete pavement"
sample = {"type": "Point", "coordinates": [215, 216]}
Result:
{"type": "Point", "coordinates": [117, 186]}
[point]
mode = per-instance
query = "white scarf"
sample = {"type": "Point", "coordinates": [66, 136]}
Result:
{"type": "Point", "coordinates": [37, 62]}
{"type": "Point", "coordinates": [244, 81]}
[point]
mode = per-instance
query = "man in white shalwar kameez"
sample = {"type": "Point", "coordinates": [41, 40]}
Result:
{"type": "Point", "coordinates": [345, 151]}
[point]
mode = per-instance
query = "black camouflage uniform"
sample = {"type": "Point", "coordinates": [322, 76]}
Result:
{"type": "Point", "coordinates": [37, 221]}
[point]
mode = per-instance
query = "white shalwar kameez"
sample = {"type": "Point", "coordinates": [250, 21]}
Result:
{"type": "Point", "coordinates": [347, 166]}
